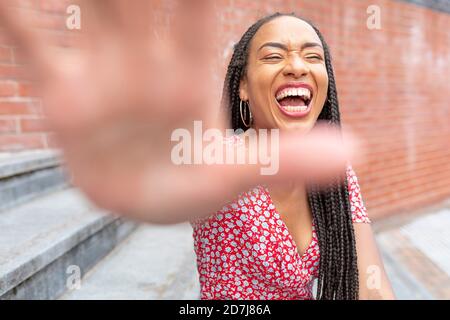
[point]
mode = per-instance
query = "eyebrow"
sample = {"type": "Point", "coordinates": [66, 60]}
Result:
{"type": "Point", "coordinates": [284, 47]}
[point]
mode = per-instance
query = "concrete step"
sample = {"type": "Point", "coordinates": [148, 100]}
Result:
{"type": "Point", "coordinates": [29, 174]}
{"type": "Point", "coordinates": [155, 262]}
{"type": "Point", "coordinates": [43, 242]}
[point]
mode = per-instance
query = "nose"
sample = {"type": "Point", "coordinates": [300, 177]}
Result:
{"type": "Point", "coordinates": [296, 67]}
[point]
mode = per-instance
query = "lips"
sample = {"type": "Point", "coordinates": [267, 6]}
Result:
{"type": "Point", "coordinates": [294, 99]}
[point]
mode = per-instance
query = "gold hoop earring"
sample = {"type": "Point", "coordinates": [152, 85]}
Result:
{"type": "Point", "coordinates": [244, 116]}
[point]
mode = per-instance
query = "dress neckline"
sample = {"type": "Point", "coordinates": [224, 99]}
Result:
{"type": "Point", "coordinates": [300, 256]}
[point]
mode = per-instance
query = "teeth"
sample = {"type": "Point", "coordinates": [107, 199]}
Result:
{"type": "Point", "coordinates": [294, 92]}
{"type": "Point", "coordinates": [295, 109]}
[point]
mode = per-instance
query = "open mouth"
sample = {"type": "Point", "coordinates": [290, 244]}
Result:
{"type": "Point", "coordinates": [294, 101]}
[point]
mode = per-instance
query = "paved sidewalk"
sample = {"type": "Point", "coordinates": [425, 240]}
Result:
{"type": "Point", "coordinates": [416, 252]}
{"type": "Point", "coordinates": [158, 262]}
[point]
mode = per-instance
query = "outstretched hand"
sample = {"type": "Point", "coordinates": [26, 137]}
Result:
{"type": "Point", "coordinates": [115, 98]}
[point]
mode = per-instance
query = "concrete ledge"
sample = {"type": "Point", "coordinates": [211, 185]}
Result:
{"type": "Point", "coordinates": [12, 164]}
{"type": "Point", "coordinates": [26, 175]}
{"type": "Point", "coordinates": [40, 239]}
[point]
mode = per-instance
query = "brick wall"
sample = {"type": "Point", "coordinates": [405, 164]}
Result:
{"type": "Point", "coordinates": [22, 122]}
{"type": "Point", "coordinates": [392, 86]}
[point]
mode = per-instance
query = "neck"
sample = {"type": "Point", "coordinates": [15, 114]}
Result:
{"type": "Point", "coordinates": [288, 189]}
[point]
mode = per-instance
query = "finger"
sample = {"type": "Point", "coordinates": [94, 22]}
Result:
{"type": "Point", "coordinates": [193, 30]}
{"type": "Point", "coordinates": [180, 62]}
{"type": "Point", "coordinates": [319, 157]}
{"type": "Point", "coordinates": [129, 21]}
{"type": "Point", "coordinates": [166, 78]}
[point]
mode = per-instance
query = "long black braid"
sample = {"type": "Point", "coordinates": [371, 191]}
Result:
{"type": "Point", "coordinates": [338, 273]}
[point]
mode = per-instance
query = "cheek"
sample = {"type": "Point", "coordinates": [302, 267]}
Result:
{"type": "Point", "coordinates": [260, 84]}
{"type": "Point", "coordinates": [322, 84]}
{"type": "Point", "coordinates": [260, 94]}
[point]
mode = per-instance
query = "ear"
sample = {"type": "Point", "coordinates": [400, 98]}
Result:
{"type": "Point", "coordinates": [243, 93]}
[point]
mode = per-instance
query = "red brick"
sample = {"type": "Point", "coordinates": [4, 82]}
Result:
{"type": "Point", "coordinates": [27, 89]}
{"type": "Point", "coordinates": [33, 125]}
{"type": "Point", "coordinates": [21, 142]}
{"type": "Point", "coordinates": [8, 71]}
{"type": "Point", "coordinates": [8, 88]}
{"type": "Point", "coordinates": [20, 108]}
{"type": "Point", "coordinates": [5, 55]}
{"type": "Point", "coordinates": [8, 125]}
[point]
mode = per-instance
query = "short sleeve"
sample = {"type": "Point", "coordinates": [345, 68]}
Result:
{"type": "Point", "coordinates": [359, 211]}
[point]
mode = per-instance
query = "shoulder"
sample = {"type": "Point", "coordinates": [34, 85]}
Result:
{"type": "Point", "coordinates": [357, 207]}
{"type": "Point", "coordinates": [237, 212]}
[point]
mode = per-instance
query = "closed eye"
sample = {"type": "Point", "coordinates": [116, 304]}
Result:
{"type": "Point", "coordinates": [315, 56]}
{"type": "Point", "coordinates": [273, 57]}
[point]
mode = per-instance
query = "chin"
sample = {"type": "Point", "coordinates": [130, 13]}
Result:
{"type": "Point", "coordinates": [301, 128]}
{"type": "Point", "coordinates": [302, 125]}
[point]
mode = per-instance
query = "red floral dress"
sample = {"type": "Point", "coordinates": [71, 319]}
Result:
{"type": "Point", "coordinates": [245, 251]}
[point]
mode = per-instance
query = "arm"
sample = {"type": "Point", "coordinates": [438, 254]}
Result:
{"type": "Point", "coordinates": [373, 281]}
{"type": "Point", "coordinates": [119, 141]}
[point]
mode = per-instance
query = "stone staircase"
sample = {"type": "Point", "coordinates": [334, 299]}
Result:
{"type": "Point", "coordinates": [47, 227]}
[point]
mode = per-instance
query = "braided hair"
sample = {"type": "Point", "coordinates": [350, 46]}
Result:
{"type": "Point", "coordinates": [338, 273]}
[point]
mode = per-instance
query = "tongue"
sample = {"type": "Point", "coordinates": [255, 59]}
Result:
{"type": "Point", "coordinates": [292, 101]}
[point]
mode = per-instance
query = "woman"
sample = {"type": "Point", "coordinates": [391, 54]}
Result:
{"type": "Point", "coordinates": [274, 244]}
